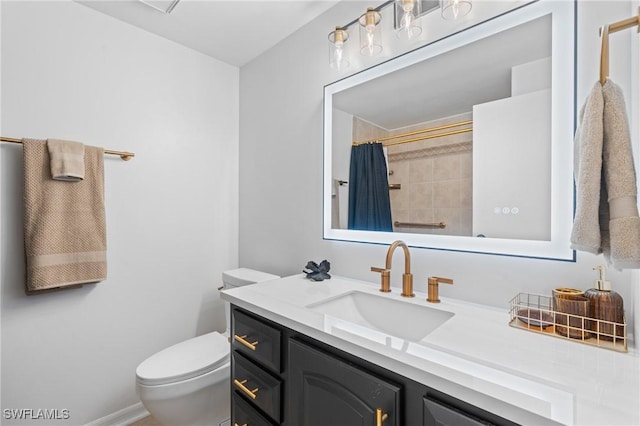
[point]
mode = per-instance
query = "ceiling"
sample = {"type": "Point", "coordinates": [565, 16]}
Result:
{"type": "Point", "coordinates": [233, 31]}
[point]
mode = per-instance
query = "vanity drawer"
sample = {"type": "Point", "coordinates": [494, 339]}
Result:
{"type": "Point", "coordinates": [258, 386]}
{"type": "Point", "coordinates": [439, 409]}
{"type": "Point", "coordinates": [245, 415]}
{"type": "Point", "coordinates": [437, 413]}
{"type": "Point", "coordinates": [256, 339]}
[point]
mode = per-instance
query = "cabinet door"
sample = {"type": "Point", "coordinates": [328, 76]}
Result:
{"type": "Point", "coordinates": [324, 390]}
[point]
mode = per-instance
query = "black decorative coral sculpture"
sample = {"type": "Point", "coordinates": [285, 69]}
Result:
{"type": "Point", "coordinates": [318, 272]}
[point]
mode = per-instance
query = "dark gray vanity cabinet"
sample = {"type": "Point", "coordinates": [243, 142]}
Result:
{"type": "Point", "coordinates": [256, 364]}
{"type": "Point", "coordinates": [325, 390]}
{"type": "Point", "coordinates": [282, 377]}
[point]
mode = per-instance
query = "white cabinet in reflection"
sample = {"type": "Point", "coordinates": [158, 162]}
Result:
{"type": "Point", "coordinates": [511, 167]}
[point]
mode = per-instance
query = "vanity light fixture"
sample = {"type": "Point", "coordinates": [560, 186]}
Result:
{"type": "Point", "coordinates": [370, 32]}
{"type": "Point", "coordinates": [454, 9]}
{"type": "Point", "coordinates": [409, 12]}
{"type": "Point", "coordinates": [337, 39]}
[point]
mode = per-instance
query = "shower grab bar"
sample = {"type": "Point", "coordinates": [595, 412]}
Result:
{"type": "Point", "coordinates": [440, 225]}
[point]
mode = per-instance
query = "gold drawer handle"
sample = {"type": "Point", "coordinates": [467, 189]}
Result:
{"type": "Point", "coordinates": [380, 417]}
{"type": "Point", "coordinates": [243, 424]}
{"type": "Point", "coordinates": [240, 339]}
{"type": "Point", "coordinates": [243, 388]}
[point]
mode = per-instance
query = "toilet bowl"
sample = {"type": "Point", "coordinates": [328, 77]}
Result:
{"type": "Point", "coordinates": [187, 384]}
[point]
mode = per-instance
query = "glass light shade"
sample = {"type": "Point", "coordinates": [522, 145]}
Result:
{"type": "Point", "coordinates": [409, 26]}
{"type": "Point", "coordinates": [370, 33]}
{"type": "Point", "coordinates": [337, 56]}
{"type": "Point", "coordinates": [454, 9]}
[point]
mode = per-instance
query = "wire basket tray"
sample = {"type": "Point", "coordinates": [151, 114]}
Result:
{"type": "Point", "coordinates": [536, 313]}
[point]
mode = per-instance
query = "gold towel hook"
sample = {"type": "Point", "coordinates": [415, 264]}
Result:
{"type": "Point", "coordinates": [605, 30]}
{"type": "Point", "coordinates": [604, 54]}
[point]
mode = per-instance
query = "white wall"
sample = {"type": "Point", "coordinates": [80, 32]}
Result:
{"type": "Point", "coordinates": [342, 131]}
{"type": "Point", "coordinates": [172, 212]}
{"type": "Point", "coordinates": [281, 172]}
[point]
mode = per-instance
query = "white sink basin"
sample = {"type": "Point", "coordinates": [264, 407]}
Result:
{"type": "Point", "coordinates": [381, 313]}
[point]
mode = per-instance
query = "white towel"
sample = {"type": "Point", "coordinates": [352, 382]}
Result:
{"type": "Point", "coordinates": [67, 160]}
{"type": "Point", "coordinates": [606, 219]}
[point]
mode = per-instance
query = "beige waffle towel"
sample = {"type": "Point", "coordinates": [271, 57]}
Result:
{"type": "Point", "coordinates": [67, 160]}
{"type": "Point", "coordinates": [64, 224]}
{"type": "Point", "coordinates": [620, 179]}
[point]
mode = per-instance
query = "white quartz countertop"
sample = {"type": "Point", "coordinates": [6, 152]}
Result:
{"type": "Point", "coordinates": [528, 378]}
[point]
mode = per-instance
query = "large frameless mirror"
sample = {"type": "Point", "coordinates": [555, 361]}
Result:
{"type": "Point", "coordinates": [475, 131]}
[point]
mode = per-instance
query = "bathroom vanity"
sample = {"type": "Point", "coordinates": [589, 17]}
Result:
{"type": "Point", "coordinates": [319, 385]}
{"type": "Point", "coordinates": [340, 352]}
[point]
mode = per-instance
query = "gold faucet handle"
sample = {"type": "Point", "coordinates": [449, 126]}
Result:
{"type": "Point", "coordinates": [441, 280]}
{"type": "Point", "coordinates": [432, 288]}
{"type": "Point", "coordinates": [385, 278]}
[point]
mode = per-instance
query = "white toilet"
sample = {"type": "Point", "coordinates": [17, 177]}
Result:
{"type": "Point", "coordinates": [187, 384]}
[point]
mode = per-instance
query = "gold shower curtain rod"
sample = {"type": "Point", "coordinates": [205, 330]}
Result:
{"type": "Point", "coordinates": [417, 132]}
{"type": "Point", "coordinates": [604, 49]}
{"type": "Point", "coordinates": [126, 156]}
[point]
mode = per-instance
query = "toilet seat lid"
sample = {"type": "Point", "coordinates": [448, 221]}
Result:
{"type": "Point", "coordinates": [185, 360]}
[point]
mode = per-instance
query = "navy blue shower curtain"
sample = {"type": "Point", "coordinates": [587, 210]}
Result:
{"type": "Point", "coordinates": [369, 203]}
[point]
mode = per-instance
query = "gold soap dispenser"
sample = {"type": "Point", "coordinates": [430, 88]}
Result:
{"type": "Point", "coordinates": [605, 304]}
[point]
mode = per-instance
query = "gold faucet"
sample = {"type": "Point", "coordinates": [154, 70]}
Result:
{"type": "Point", "coordinates": [407, 278]}
{"type": "Point", "coordinates": [432, 288]}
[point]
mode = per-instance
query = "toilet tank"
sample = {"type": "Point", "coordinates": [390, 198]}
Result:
{"type": "Point", "coordinates": [238, 278]}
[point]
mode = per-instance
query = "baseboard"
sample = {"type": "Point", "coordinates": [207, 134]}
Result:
{"type": "Point", "coordinates": [123, 417]}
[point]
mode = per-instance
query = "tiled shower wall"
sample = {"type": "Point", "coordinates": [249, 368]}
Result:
{"type": "Point", "coordinates": [366, 131]}
{"type": "Point", "coordinates": [435, 177]}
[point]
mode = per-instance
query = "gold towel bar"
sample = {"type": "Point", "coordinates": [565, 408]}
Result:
{"type": "Point", "coordinates": [604, 33]}
{"type": "Point", "coordinates": [126, 156]}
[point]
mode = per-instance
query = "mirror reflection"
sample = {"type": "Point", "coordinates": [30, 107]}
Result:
{"type": "Point", "coordinates": [463, 139]}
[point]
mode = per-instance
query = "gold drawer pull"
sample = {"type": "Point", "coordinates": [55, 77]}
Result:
{"type": "Point", "coordinates": [240, 339]}
{"type": "Point", "coordinates": [243, 388]}
{"type": "Point", "coordinates": [380, 417]}
{"type": "Point", "coordinates": [243, 424]}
